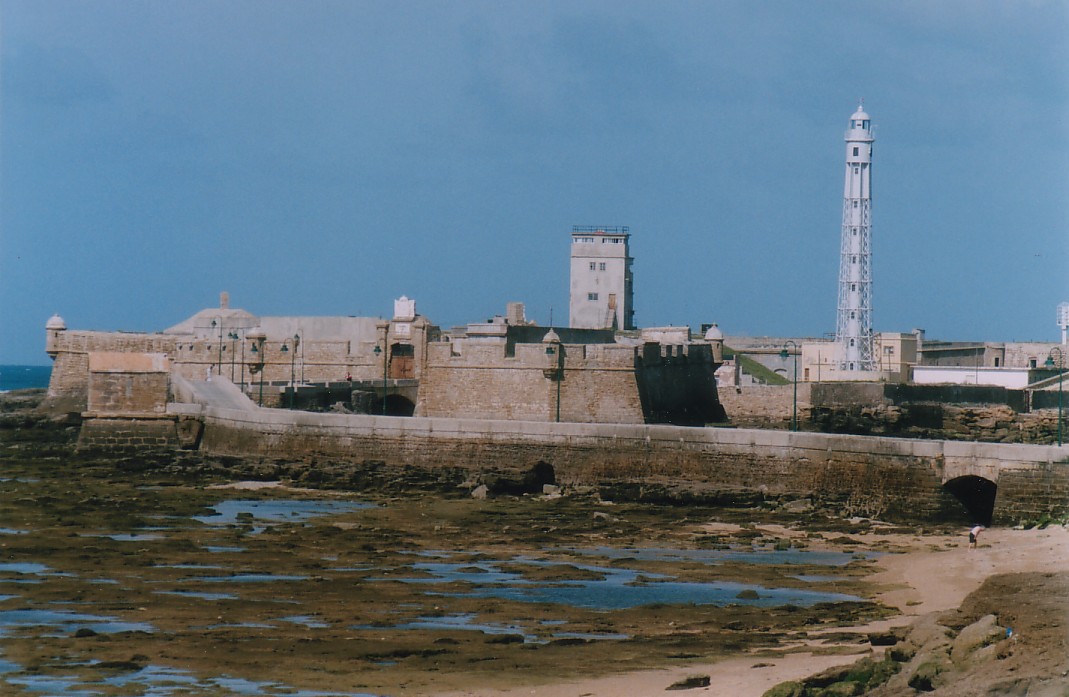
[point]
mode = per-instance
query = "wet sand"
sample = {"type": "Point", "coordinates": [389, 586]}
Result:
{"type": "Point", "coordinates": [930, 573]}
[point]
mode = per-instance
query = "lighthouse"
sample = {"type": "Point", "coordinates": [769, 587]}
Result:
{"type": "Point", "coordinates": [853, 325]}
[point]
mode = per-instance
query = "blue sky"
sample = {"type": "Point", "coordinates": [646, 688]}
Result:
{"type": "Point", "coordinates": [324, 158]}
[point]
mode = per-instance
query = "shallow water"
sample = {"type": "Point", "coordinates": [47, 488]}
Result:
{"type": "Point", "coordinates": [745, 555]}
{"type": "Point", "coordinates": [617, 588]}
{"type": "Point", "coordinates": [277, 511]}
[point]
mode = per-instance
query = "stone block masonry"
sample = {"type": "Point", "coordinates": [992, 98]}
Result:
{"type": "Point", "coordinates": [875, 477]}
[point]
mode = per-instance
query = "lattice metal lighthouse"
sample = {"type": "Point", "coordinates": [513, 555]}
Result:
{"type": "Point", "coordinates": [853, 326]}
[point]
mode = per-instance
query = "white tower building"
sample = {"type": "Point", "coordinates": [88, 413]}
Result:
{"type": "Point", "coordinates": [853, 326]}
{"type": "Point", "coordinates": [601, 291]}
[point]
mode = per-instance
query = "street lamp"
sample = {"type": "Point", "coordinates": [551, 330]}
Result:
{"type": "Point", "coordinates": [286, 349]}
{"type": "Point", "coordinates": [385, 365]}
{"type": "Point", "coordinates": [555, 348]}
{"type": "Point", "coordinates": [784, 354]}
{"type": "Point", "coordinates": [233, 336]}
{"type": "Point", "coordinates": [293, 369]}
{"type": "Point", "coordinates": [296, 342]}
{"type": "Point", "coordinates": [219, 363]}
{"type": "Point", "coordinates": [1061, 363]}
{"type": "Point", "coordinates": [257, 337]}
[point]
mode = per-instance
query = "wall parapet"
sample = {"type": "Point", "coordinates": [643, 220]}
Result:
{"type": "Point", "coordinates": [875, 476]}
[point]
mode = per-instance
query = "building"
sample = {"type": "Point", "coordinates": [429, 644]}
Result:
{"type": "Point", "coordinates": [505, 368]}
{"type": "Point", "coordinates": [601, 294]}
{"type": "Point", "coordinates": [895, 355]}
{"type": "Point", "coordinates": [853, 325]}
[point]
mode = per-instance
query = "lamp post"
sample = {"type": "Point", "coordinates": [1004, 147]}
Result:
{"type": "Point", "coordinates": [385, 365]}
{"type": "Point", "coordinates": [258, 338]}
{"type": "Point", "coordinates": [1061, 364]}
{"type": "Point", "coordinates": [243, 365]}
{"type": "Point", "coordinates": [556, 349]}
{"type": "Point", "coordinates": [293, 370]}
{"type": "Point", "coordinates": [219, 363]}
{"type": "Point", "coordinates": [286, 349]}
{"type": "Point", "coordinates": [233, 336]}
{"type": "Point", "coordinates": [784, 354]}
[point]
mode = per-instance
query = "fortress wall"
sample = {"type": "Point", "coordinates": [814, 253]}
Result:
{"type": "Point", "coordinates": [191, 357]}
{"type": "Point", "coordinates": [70, 367]}
{"type": "Point", "coordinates": [481, 381]}
{"type": "Point", "coordinates": [878, 477]}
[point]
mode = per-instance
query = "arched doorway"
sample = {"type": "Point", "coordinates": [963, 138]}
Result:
{"type": "Point", "coordinates": [976, 495]}
{"type": "Point", "coordinates": [396, 405]}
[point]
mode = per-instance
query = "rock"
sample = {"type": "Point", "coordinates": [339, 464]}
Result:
{"type": "Point", "coordinates": [748, 594]}
{"type": "Point", "coordinates": [977, 635]}
{"type": "Point", "coordinates": [926, 677]}
{"type": "Point", "coordinates": [841, 689]}
{"type": "Point", "coordinates": [690, 683]}
{"type": "Point", "coordinates": [550, 489]}
{"type": "Point", "coordinates": [888, 638]}
{"type": "Point", "coordinates": [798, 506]}
{"type": "Point", "coordinates": [786, 689]}
{"type": "Point", "coordinates": [84, 633]}
{"type": "Point", "coordinates": [480, 492]}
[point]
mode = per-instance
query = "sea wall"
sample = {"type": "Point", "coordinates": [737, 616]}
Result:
{"type": "Point", "coordinates": [878, 477]}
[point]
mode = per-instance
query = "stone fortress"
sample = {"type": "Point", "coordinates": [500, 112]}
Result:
{"type": "Point", "coordinates": [595, 401]}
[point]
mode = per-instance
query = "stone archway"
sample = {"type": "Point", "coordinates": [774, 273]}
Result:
{"type": "Point", "coordinates": [396, 405]}
{"type": "Point", "coordinates": [976, 495]}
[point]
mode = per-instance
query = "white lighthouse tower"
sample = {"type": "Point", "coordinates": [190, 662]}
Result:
{"type": "Point", "coordinates": [853, 326]}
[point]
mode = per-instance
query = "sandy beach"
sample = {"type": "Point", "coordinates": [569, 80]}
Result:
{"type": "Point", "coordinates": [936, 573]}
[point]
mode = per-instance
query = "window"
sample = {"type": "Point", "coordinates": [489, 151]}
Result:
{"type": "Point", "coordinates": [856, 149]}
{"type": "Point", "coordinates": [591, 296]}
{"type": "Point", "coordinates": [592, 266]}
{"type": "Point", "coordinates": [996, 361]}
{"type": "Point", "coordinates": [1031, 362]}
{"type": "Point", "coordinates": [857, 169]}
{"type": "Point", "coordinates": [601, 266]}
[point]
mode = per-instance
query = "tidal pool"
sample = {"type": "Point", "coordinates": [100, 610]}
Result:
{"type": "Point", "coordinates": [616, 589]}
{"type": "Point", "coordinates": [157, 681]}
{"type": "Point", "coordinates": [277, 511]}
{"type": "Point", "coordinates": [68, 622]}
{"type": "Point", "coordinates": [744, 555]}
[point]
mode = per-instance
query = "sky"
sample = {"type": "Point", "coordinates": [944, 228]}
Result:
{"type": "Point", "coordinates": [321, 157]}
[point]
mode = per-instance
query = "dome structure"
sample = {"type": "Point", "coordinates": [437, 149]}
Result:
{"type": "Point", "coordinates": [714, 334]}
{"type": "Point", "coordinates": [56, 323]}
{"type": "Point", "coordinates": [551, 337]}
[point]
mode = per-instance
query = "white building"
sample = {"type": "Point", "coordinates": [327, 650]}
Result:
{"type": "Point", "coordinates": [853, 326]}
{"type": "Point", "coordinates": [601, 290]}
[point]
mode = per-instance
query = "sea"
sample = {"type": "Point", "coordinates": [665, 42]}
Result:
{"type": "Point", "coordinates": [23, 377]}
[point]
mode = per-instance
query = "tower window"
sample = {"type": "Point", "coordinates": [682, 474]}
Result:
{"type": "Point", "coordinates": [857, 169]}
{"type": "Point", "coordinates": [856, 151]}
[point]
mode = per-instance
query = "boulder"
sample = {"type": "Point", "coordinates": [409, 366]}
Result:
{"type": "Point", "coordinates": [977, 635]}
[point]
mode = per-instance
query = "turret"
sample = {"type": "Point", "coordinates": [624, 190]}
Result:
{"type": "Point", "coordinates": [54, 329]}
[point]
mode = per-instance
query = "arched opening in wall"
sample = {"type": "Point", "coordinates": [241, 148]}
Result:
{"type": "Point", "coordinates": [396, 405]}
{"type": "Point", "coordinates": [976, 495]}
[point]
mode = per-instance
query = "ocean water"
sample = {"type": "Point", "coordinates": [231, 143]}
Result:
{"type": "Point", "coordinates": [22, 377]}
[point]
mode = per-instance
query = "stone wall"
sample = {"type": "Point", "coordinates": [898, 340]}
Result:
{"type": "Point", "coordinates": [878, 477]}
{"type": "Point", "coordinates": [129, 434]}
{"type": "Point", "coordinates": [764, 406]}
{"type": "Point", "coordinates": [600, 383]}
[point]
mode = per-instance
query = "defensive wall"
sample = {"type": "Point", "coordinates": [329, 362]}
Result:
{"type": "Point", "coordinates": [877, 477]}
{"type": "Point", "coordinates": [586, 383]}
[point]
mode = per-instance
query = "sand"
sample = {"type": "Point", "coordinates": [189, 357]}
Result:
{"type": "Point", "coordinates": [936, 574]}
